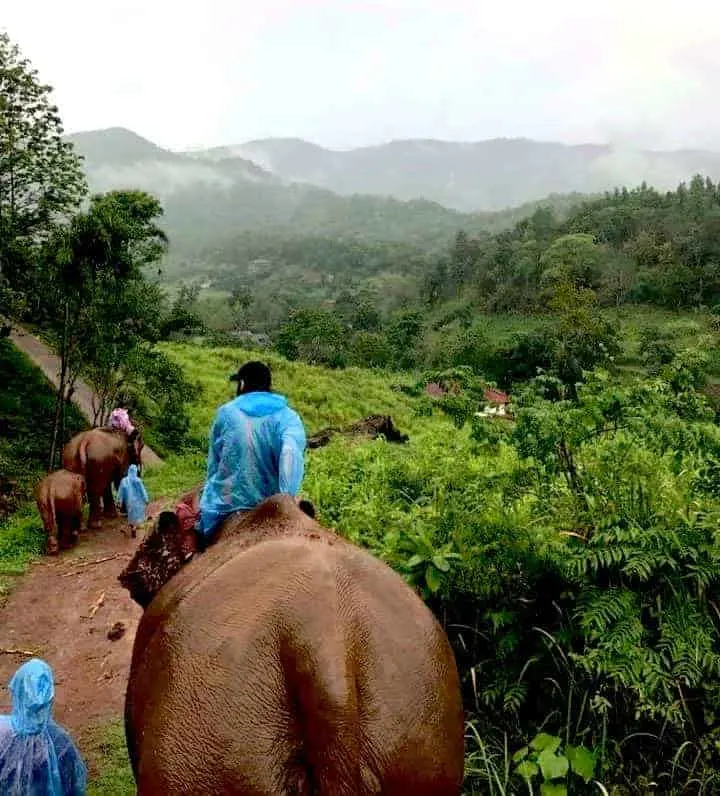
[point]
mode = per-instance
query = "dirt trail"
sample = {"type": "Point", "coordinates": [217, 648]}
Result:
{"type": "Point", "coordinates": [56, 612]}
{"type": "Point", "coordinates": [49, 364]}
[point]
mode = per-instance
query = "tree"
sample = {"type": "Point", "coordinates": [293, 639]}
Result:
{"type": "Point", "coordinates": [572, 258]}
{"type": "Point", "coordinates": [183, 316]}
{"type": "Point", "coordinates": [41, 179]}
{"type": "Point", "coordinates": [315, 336]}
{"type": "Point", "coordinates": [584, 338]}
{"type": "Point", "coordinates": [241, 299]}
{"type": "Point", "coordinates": [404, 335]}
{"type": "Point", "coordinates": [618, 279]}
{"type": "Point", "coordinates": [103, 307]}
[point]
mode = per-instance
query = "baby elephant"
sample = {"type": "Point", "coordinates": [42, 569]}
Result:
{"type": "Point", "coordinates": [60, 498]}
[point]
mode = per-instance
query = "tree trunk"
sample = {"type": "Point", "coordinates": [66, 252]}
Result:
{"type": "Point", "coordinates": [59, 420]}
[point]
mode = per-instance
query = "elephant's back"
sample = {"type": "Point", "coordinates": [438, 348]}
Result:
{"type": "Point", "coordinates": [60, 484]}
{"type": "Point", "coordinates": [289, 576]}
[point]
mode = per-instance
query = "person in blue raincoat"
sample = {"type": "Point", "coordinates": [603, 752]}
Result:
{"type": "Point", "coordinates": [133, 498]}
{"type": "Point", "coordinates": [37, 756]}
{"type": "Point", "coordinates": [257, 446]}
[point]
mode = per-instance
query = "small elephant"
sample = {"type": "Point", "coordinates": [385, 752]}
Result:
{"type": "Point", "coordinates": [103, 457]}
{"type": "Point", "coordinates": [285, 660]}
{"type": "Point", "coordinates": [60, 497]}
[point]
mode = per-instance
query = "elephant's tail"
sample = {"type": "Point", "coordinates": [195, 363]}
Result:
{"type": "Point", "coordinates": [330, 723]}
{"type": "Point", "coordinates": [46, 507]}
{"type": "Point", "coordinates": [82, 454]}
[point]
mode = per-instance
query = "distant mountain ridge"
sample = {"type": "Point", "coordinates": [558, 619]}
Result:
{"type": "Point", "coordinates": [482, 176]}
{"type": "Point", "coordinates": [215, 195]}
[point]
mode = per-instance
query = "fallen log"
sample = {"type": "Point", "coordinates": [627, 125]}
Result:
{"type": "Point", "coordinates": [373, 426]}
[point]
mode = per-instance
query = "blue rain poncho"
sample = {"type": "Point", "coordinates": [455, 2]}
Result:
{"type": "Point", "coordinates": [133, 496]}
{"type": "Point", "coordinates": [37, 757]}
{"type": "Point", "coordinates": [257, 444]}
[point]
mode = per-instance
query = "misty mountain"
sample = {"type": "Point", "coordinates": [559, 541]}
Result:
{"type": "Point", "coordinates": [209, 197]}
{"type": "Point", "coordinates": [470, 177]}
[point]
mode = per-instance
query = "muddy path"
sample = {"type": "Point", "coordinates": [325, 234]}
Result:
{"type": "Point", "coordinates": [63, 610]}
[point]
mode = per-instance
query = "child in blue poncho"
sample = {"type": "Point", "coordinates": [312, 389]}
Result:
{"type": "Point", "coordinates": [132, 499]}
{"type": "Point", "coordinates": [37, 756]}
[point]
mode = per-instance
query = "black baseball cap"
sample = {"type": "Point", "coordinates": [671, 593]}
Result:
{"type": "Point", "coordinates": [254, 375]}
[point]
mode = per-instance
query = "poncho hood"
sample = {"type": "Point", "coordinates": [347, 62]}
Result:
{"type": "Point", "coordinates": [260, 404]}
{"type": "Point", "coordinates": [33, 691]}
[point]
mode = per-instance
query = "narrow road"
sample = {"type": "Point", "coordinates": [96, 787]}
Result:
{"type": "Point", "coordinates": [49, 364]}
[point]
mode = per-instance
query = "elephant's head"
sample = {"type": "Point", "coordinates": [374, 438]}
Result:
{"type": "Point", "coordinates": [162, 554]}
{"type": "Point", "coordinates": [135, 446]}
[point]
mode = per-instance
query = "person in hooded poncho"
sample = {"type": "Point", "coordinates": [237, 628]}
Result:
{"type": "Point", "coordinates": [37, 756]}
{"type": "Point", "coordinates": [257, 446]}
{"type": "Point", "coordinates": [133, 498]}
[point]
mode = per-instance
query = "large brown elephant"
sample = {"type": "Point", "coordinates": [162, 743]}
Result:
{"type": "Point", "coordinates": [285, 660]}
{"type": "Point", "coordinates": [60, 498]}
{"type": "Point", "coordinates": [102, 456]}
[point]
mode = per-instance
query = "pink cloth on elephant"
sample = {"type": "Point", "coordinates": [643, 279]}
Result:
{"type": "Point", "coordinates": [120, 419]}
{"type": "Point", "coordinates": [188, 510]}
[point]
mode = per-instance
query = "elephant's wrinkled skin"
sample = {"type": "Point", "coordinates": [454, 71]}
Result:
{"type": "Point", "coordinates": [102, 456]}
{"type": "Point", "coordinates": [60, 498]}
{"type": "Point", "coordinates": [285, 660]}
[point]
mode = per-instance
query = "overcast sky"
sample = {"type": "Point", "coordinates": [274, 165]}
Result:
{"type": "Point", "coordinates": [344, 73]}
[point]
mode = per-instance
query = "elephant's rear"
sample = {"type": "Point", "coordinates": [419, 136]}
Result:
{"type": "Point", "coordinates": [297, 667]}
{"type": "Point", "coordinates": [46, 505]}
{"type": "Point", "coordinates": [408, 682]}
{"type": "Point", "coordinates": [71, 454]}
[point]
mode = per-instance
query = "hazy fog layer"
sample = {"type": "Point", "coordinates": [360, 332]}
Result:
{"type": "Point", "coordinates": [345, 73]}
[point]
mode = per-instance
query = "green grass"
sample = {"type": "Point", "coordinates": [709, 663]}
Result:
{"type": "Point", "coordinates": [322, 397]}
{"type": "Point", "coordinates": [105, 753]}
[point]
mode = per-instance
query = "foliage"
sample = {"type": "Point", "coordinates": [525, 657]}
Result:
{"type": "Point", "coordinates": [41, 181]}
{"type": "Point", "coordinates": [404, 335]}
{"type": "Point", "coordinates": [573, 561]}
{"type": "Point", "coordinates": [546, 760]}
{"type": "Point", "coordinates": [27, 405]}
{"type": "Point", "coordinates": [315, 336]}
{"type": "Point", "coordinates": [157, 392]}
{"type": "Point", "coordinates": [105, 313]}
{"type": "Point", "coordinates": [576, 584]}
{"type": "Point", "coordinates": [183, 317]}
{"type": "Point", "coordinates": [630, 246]}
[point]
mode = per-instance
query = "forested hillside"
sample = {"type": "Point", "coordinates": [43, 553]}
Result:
{"type": "Point", "coordinates": [630, 246]}
{"type": "Point", "coordinates": [491, 301]}
{"type": "Point", "coordinates": [208, 200]}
